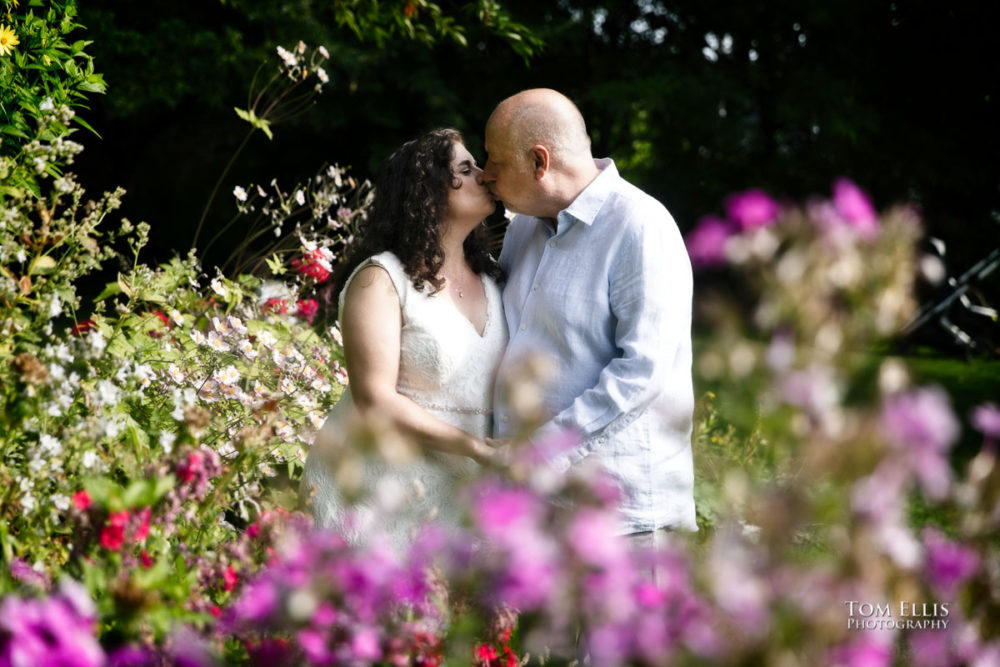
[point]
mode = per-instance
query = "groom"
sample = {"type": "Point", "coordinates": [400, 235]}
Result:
{"type": "Point", "coordinates": [599, 281]}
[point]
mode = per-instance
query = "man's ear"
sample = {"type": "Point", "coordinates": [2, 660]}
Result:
{"type": "Point", "coordinates": [540, 158]}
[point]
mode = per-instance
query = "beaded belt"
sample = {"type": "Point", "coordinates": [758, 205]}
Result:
{"type": "Point", "coordinates": [447, 408]}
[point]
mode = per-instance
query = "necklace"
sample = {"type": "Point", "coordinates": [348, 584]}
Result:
{"type": "Point", "coordinates": [460, 294]}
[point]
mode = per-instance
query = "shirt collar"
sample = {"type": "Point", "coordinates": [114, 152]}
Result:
{"type": "Point", "coordinates": [589, 202]}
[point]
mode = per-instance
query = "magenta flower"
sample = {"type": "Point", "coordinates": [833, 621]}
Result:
{"type": "Point", "coordinates": [986, 419]}
{"type": "Point", "coordinates": [706, 243]}
{"type": "Point", "coordinates": [869, 650]}
{"type": "Point", "coordinates": [949, 564]}
{"type": "Point", "coordinates": [921, 425]}
{"type": "Point", "coordinates": [752, 208]}
{"type": "Point", "coordinates": [501, 509]}
{"type": "Point", "coordinates": [58, 630]}
{"type": "Point", "coordinates": [855, 207]}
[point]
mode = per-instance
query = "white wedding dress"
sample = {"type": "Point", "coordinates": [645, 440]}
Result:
{"type": "Point", "coordinates": [448, 368]}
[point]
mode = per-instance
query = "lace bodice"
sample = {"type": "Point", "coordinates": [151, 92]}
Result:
{"type": "Point", "coordinates": [448, 368]}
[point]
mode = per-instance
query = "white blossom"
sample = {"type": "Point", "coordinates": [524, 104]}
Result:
{"type": "Point", "coordinates": [228, 375]}
{"type": "Point", "coordinates": [219, 288]}
{"type": "Point", "coordinates": [90, 459]}
{"type": "Point", "coordinates": [267, 339]}
{"type": "Point", "coordinates": [287, 57]}
{"type": "Point", "coordinates": [28, 502]}
{"type": "Point", "coordinates": [240, 193]}
{"type": "Point", "coordinates": [50, 446]}
{"type": "Point", "coordinates": [107, 392]}
{"type": "Point", "coordinates": [55, 307]}
{"type": "Point", "coordinates": [236, 324]}
{"type": "Point", "coordinates": [175, 373]}
{"type": "Point", "coordinates": [248, 349]}
{"type": "Point", "coordinates": [216, 343]}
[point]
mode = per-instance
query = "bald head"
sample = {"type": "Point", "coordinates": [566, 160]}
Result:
{"type": "Point", "coordinates": [546, 117]}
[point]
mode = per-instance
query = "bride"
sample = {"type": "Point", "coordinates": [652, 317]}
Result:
{"type": "Point", "coordinates": [424, 331]}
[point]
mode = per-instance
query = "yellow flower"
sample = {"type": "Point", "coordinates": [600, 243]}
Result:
{"type": "Point", "coordinates": [8, 40]}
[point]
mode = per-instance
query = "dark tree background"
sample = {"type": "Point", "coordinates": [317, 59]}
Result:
{"type": "Point", "coordinates": [694, 98]}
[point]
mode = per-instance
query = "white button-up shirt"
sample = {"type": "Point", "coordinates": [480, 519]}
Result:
{"type": "Point", "coordinates": [607, 297]}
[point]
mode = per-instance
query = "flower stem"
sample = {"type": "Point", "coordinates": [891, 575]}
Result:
{"type": "Point", "coordinates": [218, 184]}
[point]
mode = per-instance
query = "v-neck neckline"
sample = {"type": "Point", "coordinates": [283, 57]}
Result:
{"type": "Point", "coordinates": [489, 318]}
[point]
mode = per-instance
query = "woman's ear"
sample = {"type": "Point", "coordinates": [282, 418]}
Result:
{"type": "Point", "coordinates": [540, 159]}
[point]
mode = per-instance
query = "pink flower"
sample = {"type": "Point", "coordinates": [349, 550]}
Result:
{"type": "Point", "coordinates": [948, 563]}
{"type": "Point", "coordinates": [81, 500]}
{"type": "Point", "coordinates": [921, 425]}
{"type": "Point", "coordinates": [986, 419]}
{"type": "Point", "coordinates": [192, 464]}
{"type": "Point", "coordinates": [855, 207]}
{"type": "Point", "coordinates": [142, 531]}
{"type": "Point", "coordinates": [593, 535]}
{"type": "Point", "coordinates": [500, 510]}
{"type": "Point", "coordinates": [752, 208]}
{"type": "Point", "coordinates": [113, 532]}
{"type": "Point", "coordinates": [146, 559]}
{"type": "Point", "coordinates": [706, 243]}
{"type": "Point", "coordinates": [253, 530]}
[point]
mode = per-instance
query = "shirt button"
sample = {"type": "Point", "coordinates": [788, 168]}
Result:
{"type": "Point", "coordinates": [535, 288]}
{"type": "Point", "coordinates": [506, 419]}
{"type": "Point", "coordinates": [552, 244]}
{"type": "Point", "coordinates": [524, 327]}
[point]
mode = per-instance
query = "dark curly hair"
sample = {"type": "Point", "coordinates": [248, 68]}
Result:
{"type": "Point", "coordinates": [411, 196]}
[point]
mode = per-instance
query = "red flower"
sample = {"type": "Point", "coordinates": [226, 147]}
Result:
{"type": "Point", "coordinates": [146, 559]}
{"type": "Point", "coordinates": [143, 530]}
{"type": "Point", "coordinates": [81, 500]}
{"type": "Point", "coordinates": [308, 309]}
{"type": "Point", "coordinates": [274, 305]}
{"type": "Point", "coordinates": [83, 326]}
{"type": "Point", "coordinates": [486, 653]}
{"type": "Point", "coordinates": [113, 532]}
{"type": "Point", "coordinates": [312, 264]}
{"type": "Point", "coordinates": [253, 530]}
{"type": "Point", "coordinates": [216, 611]}
{"type": "Point", "coordinates": [229, 578]}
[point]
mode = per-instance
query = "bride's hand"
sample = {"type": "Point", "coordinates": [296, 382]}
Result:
{"type": "Point", "coordinates": [500, 451]}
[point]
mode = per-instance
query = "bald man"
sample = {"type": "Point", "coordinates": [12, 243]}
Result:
{"type": "Point", "coordinates": [599, 281]}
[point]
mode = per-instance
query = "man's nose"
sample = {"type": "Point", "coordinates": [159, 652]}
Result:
{"type": "Point", "coordinates": [488, 176]}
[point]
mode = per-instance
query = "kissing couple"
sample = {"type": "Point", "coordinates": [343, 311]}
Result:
{"type": "Point", "coordinates": [593, 276]}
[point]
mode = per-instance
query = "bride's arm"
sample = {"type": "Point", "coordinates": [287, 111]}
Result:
{"type": "Point", "coordinates": [371, 324]}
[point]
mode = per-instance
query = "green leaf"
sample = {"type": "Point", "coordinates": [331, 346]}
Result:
{"type": "Point", "coordinates": [110, 289]}
{"type": "Point", "coordinates": [138, 494]}
{"type": "Point", "coordinates": [43, 265]}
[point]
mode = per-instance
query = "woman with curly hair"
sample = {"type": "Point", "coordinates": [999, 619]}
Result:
{"type": "Point", "coordinates": [424, 331]}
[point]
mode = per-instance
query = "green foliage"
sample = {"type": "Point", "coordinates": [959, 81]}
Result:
{"type": "Point", "coordinates": [44, 72]}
